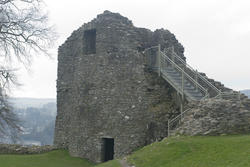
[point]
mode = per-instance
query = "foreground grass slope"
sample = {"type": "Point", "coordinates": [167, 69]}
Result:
{"type": "Point", "coordinates": [220, 151]}
{"type": "Point", "coordinates": [58, 158]}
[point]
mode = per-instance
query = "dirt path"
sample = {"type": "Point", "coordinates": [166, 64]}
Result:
{"type": "Point", "coordinates": [124, 163]}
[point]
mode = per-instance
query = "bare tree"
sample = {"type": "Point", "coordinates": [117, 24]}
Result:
{"type": "Point", "coordinates": [24, 32]}
{"type": "Point", "coordinates": [24, 29]}
{"type": "Point", "coordinates": [9, 122]}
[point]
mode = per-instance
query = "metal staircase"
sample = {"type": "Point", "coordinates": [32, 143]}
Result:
{"type": "Point", "coordinates": [180, 80]}
{"type": "Point", "coordinates": [183, 78]}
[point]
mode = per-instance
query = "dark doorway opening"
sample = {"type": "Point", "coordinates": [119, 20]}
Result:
{"type": "Point", "coordinates": [90, 41]}
{"type": "Point", "coordinates": [108, 149]}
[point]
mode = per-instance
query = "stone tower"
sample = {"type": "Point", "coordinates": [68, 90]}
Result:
{"type": "Point", "coordinates": [109, 103]}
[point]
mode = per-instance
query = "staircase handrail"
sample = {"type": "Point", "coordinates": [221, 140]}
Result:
{"type": "Point", "coordinates": [178, 117]}
{"type": "Point", "coordinates": [231, 95]}
{"type": "Point", "coordinates": [195, 72]}
{"type": "Point", "coordinates": [182, 71]}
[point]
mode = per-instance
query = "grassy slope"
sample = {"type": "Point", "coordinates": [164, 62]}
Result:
{"type": "Point", "coordinates": [220, 151]}
{"type": "Point", "coordinates": [59, 158]}
{"type": "Point", "coordinates": [114, 163]}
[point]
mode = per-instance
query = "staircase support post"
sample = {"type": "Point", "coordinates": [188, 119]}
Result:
{"type": "Point", "coordinates": [181, 108]}
{"type": "Point", "coordinates": [159, 59]}
{"type": "Point", "coordinates": [182, 82]}
{"type": "Point", "coordinates": [196, 79]}
{"type": "Point", "coordinates": [182, 92]}
{"type": "Point", "coordinates": [168, 128]}
{"type": "Point", "coordinates": [172, 55]}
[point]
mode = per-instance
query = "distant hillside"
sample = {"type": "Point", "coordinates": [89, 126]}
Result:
{"type": "Point", "coordinates": [37, 118]}
{"type": "Point", "coordinates": [37, 124]}
{"type": "Point", "coordinates": [30, 102]}
{"type": "Point", "coordinates": [246, 92]}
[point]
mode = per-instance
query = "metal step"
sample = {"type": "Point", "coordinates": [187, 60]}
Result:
{"type": "Point", "coordinates": [176, 78]}
{"type": "Point", "coordinates": [188, 87]}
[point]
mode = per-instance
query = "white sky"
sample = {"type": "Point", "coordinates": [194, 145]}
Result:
{"type": "Point", "coordinates": [214, 33]}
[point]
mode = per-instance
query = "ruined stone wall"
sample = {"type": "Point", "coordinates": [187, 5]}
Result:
{"type": "Point", "coordinates": [20, 149]}
{"type": "Point", "coordinates": [110, 94]}
{"type": "Point", "coordinates": [216, 117]}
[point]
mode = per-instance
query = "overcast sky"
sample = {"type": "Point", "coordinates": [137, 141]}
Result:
{"type": "Point", "coordinates": [214, 33]}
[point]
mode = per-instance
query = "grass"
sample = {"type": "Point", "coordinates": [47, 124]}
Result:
{"type": "Point", "coordinates": [113, 163]}
{"type": "Point", "coordinates": [58, 158]}
{"type": "Point", "coordinates": [220, 151]}
{"type": "Point", "coordinates": [209, 151]}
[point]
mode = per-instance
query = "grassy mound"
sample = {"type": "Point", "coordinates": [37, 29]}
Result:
{"type": "Point", "coordinates": [221, 151]}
